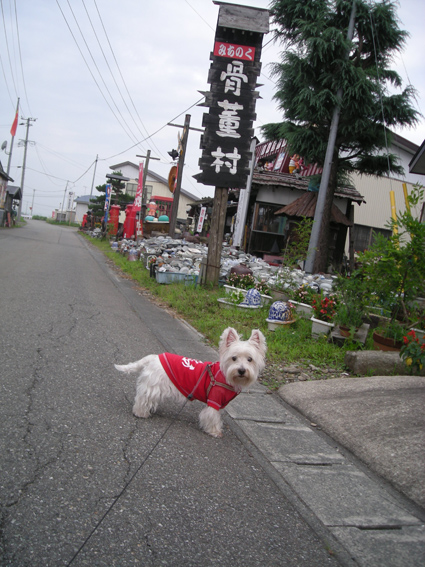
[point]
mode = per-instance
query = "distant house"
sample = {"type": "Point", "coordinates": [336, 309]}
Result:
{"type": "Point", "coordinates": [4, 179]}
{"type": "Point", "coordinates": [156, 189]}
{"type": "Point", "coordinates": [82, 206]}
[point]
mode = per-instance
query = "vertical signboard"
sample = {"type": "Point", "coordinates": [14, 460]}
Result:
{"type": "Point", "coordinates": [108, 192]}
{"type": "Point", "coordinates": [201, 219]}
{"type": "Point", "coordinates": [231, 100]}
{"type": "Point", "coordinates": [137, 205]}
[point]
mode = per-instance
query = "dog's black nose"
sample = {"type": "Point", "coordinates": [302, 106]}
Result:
{"type": "Point", "coordinates": [241, 371]}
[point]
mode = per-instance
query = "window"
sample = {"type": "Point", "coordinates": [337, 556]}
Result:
{"type": "Point", "coordinates": [266, 221]}
{"type": "Point", "coordinates": [131, 188]}
{"type": "Point", "coordinates": [364, 236]}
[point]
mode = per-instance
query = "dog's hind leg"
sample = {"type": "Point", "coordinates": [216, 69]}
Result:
{"type": "Point", "coordinates": [147, 398]}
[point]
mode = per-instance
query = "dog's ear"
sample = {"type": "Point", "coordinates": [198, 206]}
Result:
{"type": "Point", "coordinates": [259, 341]}
{"type": "Point", "coordinates": [228, 337]}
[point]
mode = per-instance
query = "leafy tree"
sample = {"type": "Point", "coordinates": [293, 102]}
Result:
{"type": "Point", "coordinates": [117, 197]}
{"type": "Point", "coordinates": [317, 61]}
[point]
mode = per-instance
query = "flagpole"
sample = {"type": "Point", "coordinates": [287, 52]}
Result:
{"type": "Point", "coordinates": [13, 132]}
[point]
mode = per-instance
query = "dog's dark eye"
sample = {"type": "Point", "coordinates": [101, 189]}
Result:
{"type": "Point", "coordinates": [249, 359]}
{"type": "Point", "coordinates": [234, 358]}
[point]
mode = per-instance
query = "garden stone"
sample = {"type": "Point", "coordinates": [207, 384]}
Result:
{"type": "Point", "coordinates": [375, 363]}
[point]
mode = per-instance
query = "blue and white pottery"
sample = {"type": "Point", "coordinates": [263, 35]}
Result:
{"type": "Point", "coordinates": [279, 311]}
{"type": "Point", "coordinates": [252, 298]}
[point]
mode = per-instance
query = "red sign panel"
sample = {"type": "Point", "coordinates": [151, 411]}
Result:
{"type": "Point", "coordinates": [232, 51]}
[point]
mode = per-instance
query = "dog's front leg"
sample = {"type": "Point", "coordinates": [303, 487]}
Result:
{"type": "Point", "coordinates": [210, 421]}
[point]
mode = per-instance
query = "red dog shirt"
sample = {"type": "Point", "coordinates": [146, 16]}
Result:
{"type": "Point", "coordinates": [192, 378]}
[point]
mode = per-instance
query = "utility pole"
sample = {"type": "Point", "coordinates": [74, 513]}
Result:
{"type": "Point", "coordinates": [329, 157]}
{"type": "Point", "coordinates": [176, 196]}
{"type": "Point", "coordinates": [142, 213]}
{"type": "Point", "coordinates": [23, 166]}
{"type": "Point", "coordinates": [64, 195]}
{"type": "Point", "coordinates": [94, 173]}
{"type": "Point", "coordinates": [32, 205]}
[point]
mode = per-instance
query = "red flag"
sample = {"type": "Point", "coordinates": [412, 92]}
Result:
{"type": "Point", "coordinates": [15, 124]}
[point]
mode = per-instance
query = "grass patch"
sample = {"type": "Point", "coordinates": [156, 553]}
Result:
{"type": "Point", "coordinates": [62, 223]}
{"type": "Point", "coordinates": [289, 344]}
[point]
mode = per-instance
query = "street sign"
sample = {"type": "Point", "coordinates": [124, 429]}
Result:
{"type": "Point", "coordinates": [231, 100]}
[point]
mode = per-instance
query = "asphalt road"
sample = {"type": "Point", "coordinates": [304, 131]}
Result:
{"type": "Point", "coordinates": [82, 481]}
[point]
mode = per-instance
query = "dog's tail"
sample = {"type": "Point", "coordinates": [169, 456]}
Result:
{"type": "Point", "coordinates": [132, 367]}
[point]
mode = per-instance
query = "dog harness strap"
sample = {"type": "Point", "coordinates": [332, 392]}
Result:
{"type": "Point", "coordinates": [190, 396]}
{"type": "Point", "coordinates": [213, 382]}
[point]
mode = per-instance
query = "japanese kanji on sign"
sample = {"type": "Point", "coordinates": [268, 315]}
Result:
{"type": "Point", "coordinates": [231, 100]}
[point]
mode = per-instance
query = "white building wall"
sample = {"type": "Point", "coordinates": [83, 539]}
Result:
{"type": "Point", "coordinates": [376, 212]}
{"type": "Point", "coordinates": [80, 210]}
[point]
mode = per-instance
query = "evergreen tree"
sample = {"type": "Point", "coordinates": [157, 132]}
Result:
{"type": "Point", "coordinates": [317, 61]}
{"type": "Point", "coordinates": [117, 197]}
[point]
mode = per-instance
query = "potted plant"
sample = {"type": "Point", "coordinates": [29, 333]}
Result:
{"type": "Point", "coordinates": [351, 305]}
{"type": "Point", "coordinates": [302, 299]}
{"type": "Point", "coordinates": [413, 352]}
{"type": "Point", "coordinates": [389, 336]}
{"type": "Point", "coordinates": [324, 309]}
{"type": "Point", "coordinates": [241, 281]}
{"type": "Point", "coordinates": [393, 269]}
{"type": "Point", "coordinates": [283, 284]}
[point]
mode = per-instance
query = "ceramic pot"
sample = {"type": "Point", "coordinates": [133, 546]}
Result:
{"type": "Point", "coordinates": [319, 327]}
{"type": "Point", "coordinates": [382, 343]}
{"type": "Point", "coordinates": [344, 330]}
{"type": "Point", "coordinates": [302, 308]}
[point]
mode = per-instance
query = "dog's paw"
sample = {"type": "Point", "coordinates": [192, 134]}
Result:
{"type": "Point", "coordinates": [217, 435]}
{"type": "Point", "coordinates": [139, 412]}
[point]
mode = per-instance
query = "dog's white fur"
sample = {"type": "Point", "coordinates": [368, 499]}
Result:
{"type": "Point", "coordinates": [241, 363]}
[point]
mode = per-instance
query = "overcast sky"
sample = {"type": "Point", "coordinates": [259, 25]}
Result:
{"type": "Point", "coordinates": [104, 77]}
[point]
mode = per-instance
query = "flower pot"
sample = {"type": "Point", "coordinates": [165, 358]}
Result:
{"type": "Point", "coordinates": [273, 324]}
{"type": "Point", "coordinates": [319, 327]}
{"type": "Point", "coordinates": [229, 304]}
{"type": "Point", "coordinates": [231, 289]}
{"type": "Point", "coordinates": [302, 309]}
{"type": "Point", "coordinates": [279, 295]}
{"type": "Point", "coordinates": [265, 299]}
{"type": "Point", "coordinates": [383, 343]}
{"type": "Point", "coordinates": [344, 330]}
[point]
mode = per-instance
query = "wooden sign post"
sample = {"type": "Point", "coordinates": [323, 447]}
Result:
{"type": "Point", "coordinates": [231, 100]}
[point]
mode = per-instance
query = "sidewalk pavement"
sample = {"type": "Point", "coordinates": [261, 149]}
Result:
{"type": "Point", "coordinates": [379, 420]}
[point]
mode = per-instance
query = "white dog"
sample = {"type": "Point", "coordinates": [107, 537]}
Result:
{"type": "Point", "coordinates": [172, 376]}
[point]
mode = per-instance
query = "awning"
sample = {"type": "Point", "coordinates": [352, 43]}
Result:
{"type": "Point", "coordinates": [305, 206]}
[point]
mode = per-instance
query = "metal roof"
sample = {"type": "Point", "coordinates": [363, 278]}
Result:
{"type": "Point", "coordinates": [417, 163]}
{"type": "Point", "coordinates": [305, 206]}
{"type": "Point", "coordinates": [291, 181]}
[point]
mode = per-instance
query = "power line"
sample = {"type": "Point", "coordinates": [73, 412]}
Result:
{"type": "Point", "coordinates": [123, 80]}
{"type": "Point", "coordinates": [154, 134]}
{"type": "Point", "coordinates": [90, 71]}
{"type": "Point", "coordinates": [109, 67]}
{"type": "Point", "coordinates": [100, 74]}
{"type": "Point", "coordinates": [8, 50]}
{"type": "Point", "coordinates": [20, 58]}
